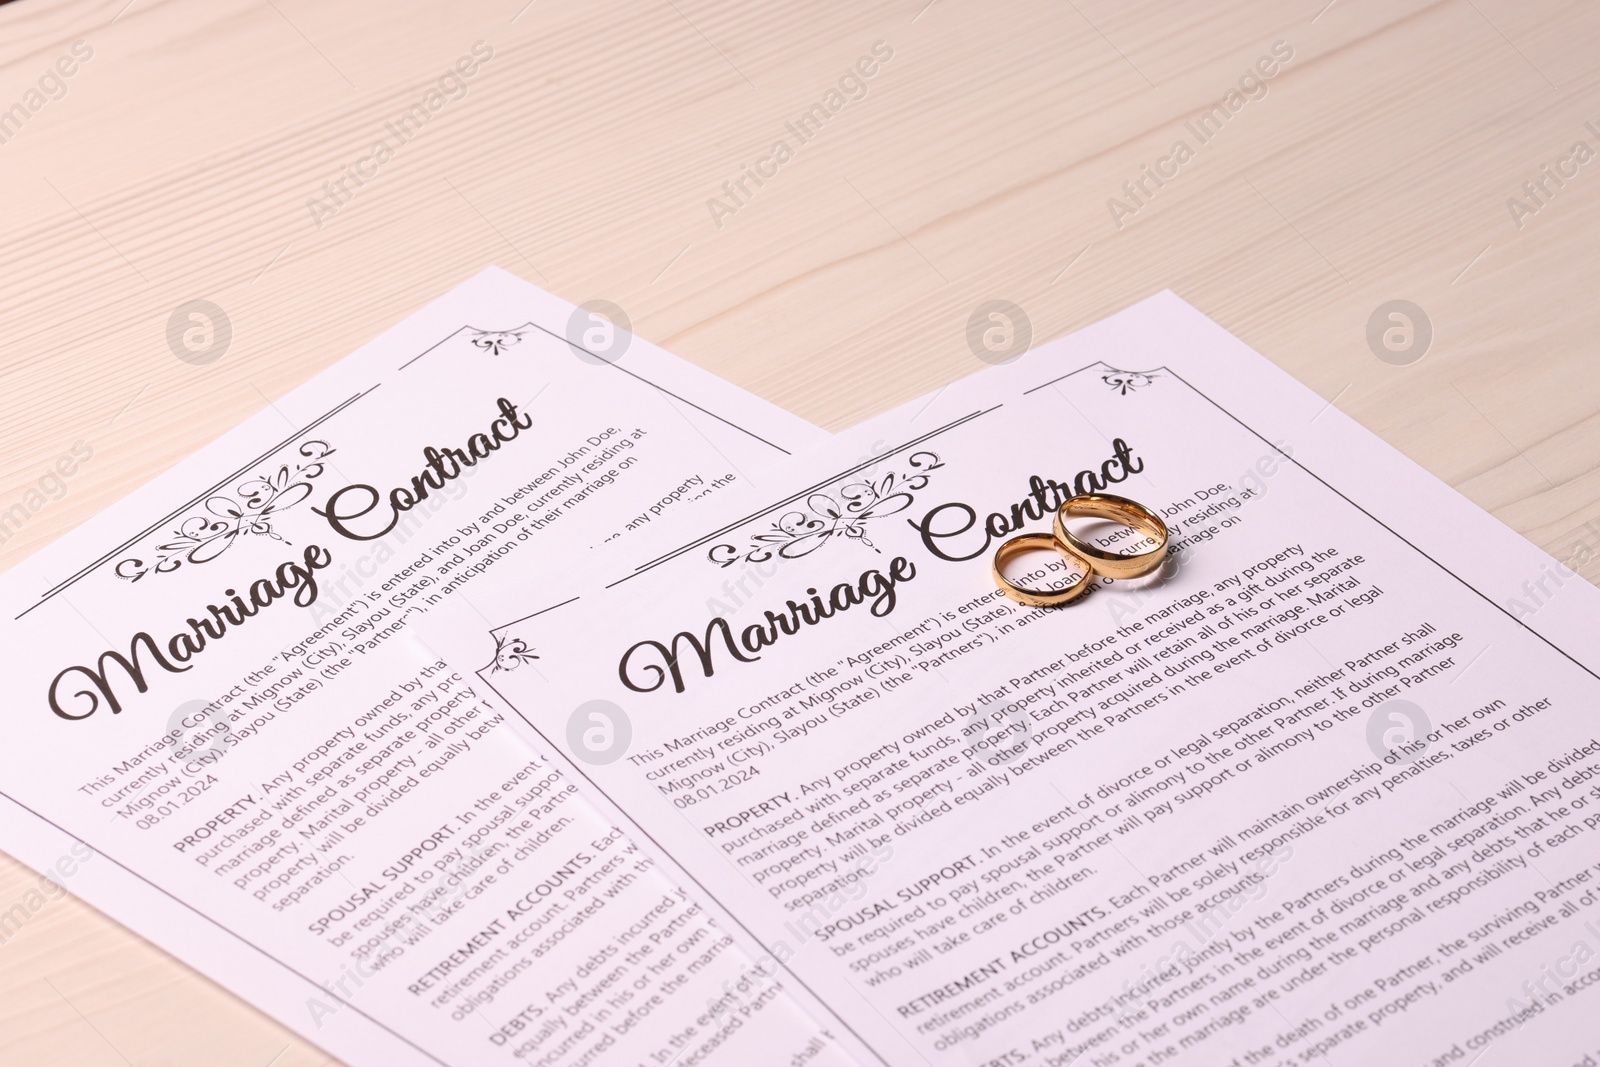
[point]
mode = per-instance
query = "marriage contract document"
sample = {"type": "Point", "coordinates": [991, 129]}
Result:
{"type": "Point", "coordinates": [218, 735]}
{"type": "Point", "coordinates": [1324, 790]}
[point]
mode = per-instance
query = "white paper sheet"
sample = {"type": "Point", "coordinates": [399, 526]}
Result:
{"type": "Point", "coordinates": [1323, 791]}
{"type": "Point", "coordinates": [205, 686]}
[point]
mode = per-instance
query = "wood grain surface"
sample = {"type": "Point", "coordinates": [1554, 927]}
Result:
{"type": "Point", "coordinates": [203, 150]}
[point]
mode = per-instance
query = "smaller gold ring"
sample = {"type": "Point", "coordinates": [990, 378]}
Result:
{"type": "Point", "coordinates": [1129, 513]}
{"type": "Point", "coordinates": [1036, 598]}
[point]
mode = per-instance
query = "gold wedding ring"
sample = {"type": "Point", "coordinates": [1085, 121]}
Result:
{"type": "Point", "coordinates": [1129, 513]}
{"type": "Point", "coordinates": [1037, 598]}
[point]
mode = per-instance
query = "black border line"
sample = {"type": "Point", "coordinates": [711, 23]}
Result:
{"type": "Point", "coordinates": [634, 823]}
{"type": "Point", "coordinates": [601, 359]}
{"type": "Point", "coordinates": [1080, 370]}
{"type": "Point", "coordinates": [675, 553]}
{"type": "Point", "coordinates": [663, 389]}
{"type": "Point", "coordinates": [436, 344]}
{"type": "Point", "coordinates": [541, 611]}
{"type": "Point", "coordinates": [307, 428]}
{"type": "Point", "coordinates": [321, 989]}
{"type": "Point", "coordinates": [1397, 534]}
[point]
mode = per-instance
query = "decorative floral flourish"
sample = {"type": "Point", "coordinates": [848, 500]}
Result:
{"type": "Point", "coordinates": [510, 653]}
{"type": "Point", "coordinates": [496, 341]}
{"type": "Point", "coordinates": [827, 516]}
{"type": "Point", "coordinates": [250, 508]}
{"type": "Point", "coordinates": [1126, 381]}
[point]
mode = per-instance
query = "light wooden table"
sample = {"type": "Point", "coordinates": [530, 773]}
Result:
{"type": "Point", "coordinates": [183, 158]}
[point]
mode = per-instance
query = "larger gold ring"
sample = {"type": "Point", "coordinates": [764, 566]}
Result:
{"type": "Point", "coordinates": [1129, 513]}
{"type": "Point", "coordinates": [1038, 598]}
